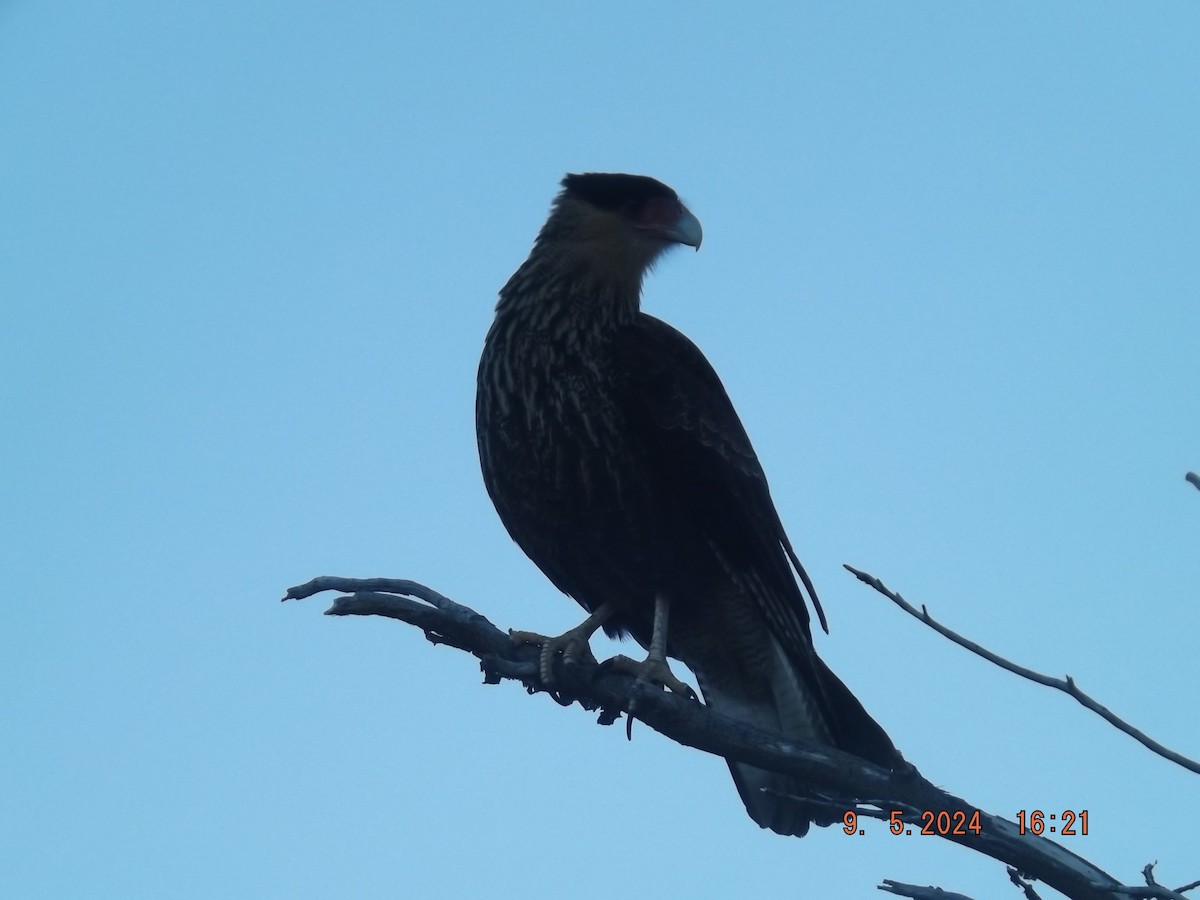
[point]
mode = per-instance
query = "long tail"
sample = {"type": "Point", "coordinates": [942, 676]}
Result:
{"type": "Point", "coordinates": [829, 715]}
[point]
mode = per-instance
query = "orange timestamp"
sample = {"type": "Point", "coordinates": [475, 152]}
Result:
{"type": "Point", "coordinates": [943, 822]}
{"type": "Point", "coordinates": [1069, 822]}
{"type": "Point", "coordinates": [952, 822]}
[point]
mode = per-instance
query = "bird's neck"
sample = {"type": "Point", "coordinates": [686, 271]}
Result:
{"type": "Point", "coordinates": [557, 291]}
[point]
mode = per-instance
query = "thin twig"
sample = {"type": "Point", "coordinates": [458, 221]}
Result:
{"type": "Point", "coordinates": [1153, 889]}
{"type": "Point", "coordinates": [1066, 685]}
{"type": "Point", "coordinates": [1024, 884]}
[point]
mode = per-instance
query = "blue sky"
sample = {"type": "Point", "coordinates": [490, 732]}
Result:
{"type": "Point", "coordinates": [247, 259]}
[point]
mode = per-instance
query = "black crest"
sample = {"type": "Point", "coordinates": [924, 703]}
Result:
{"type": "Point", "coordinates": [616, 193]}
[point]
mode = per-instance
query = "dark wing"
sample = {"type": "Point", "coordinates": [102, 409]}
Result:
{"type": "Point", "coordinates": [702, 459]}
{"type": "Point", "coordinates": [688, 427]}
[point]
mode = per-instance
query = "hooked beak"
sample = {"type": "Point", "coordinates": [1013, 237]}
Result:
{"type": "Point", "coordinates": [686, 230]}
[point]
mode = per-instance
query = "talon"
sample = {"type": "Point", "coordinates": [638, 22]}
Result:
{"type": "Point", "coordinates": [651, 670]}
{"type": "Point", "coordinates": [549, 646]}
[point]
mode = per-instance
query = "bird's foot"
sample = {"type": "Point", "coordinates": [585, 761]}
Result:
{"type": "Point", "coordinates": [652, 670]}
{"type": "Point", "coordinates": [573, 645]}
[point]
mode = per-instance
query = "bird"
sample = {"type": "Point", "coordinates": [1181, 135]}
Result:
{"type": "Point", "coordinates": [617, 462]}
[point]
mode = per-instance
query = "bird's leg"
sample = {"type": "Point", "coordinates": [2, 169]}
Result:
{"type": "Point", "coordinates": [654, 668]}
{"type": "Point", "coordinates": [573, 643]}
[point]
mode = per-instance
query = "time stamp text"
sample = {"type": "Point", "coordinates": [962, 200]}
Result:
{"type": "Point", "coordinates": [947, 823]}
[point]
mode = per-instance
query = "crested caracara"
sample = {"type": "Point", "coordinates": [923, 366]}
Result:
{"type": "Point", "coordinates": [617, 462]}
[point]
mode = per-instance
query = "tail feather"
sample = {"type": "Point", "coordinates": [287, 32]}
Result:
{"type": "Point", "coordinates": [791, 708]}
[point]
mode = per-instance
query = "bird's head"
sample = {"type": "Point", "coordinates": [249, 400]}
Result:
{"type": "Point", "coordinates": [616, 226]}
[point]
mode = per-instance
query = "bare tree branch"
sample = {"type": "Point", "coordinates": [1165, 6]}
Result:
{"type": "Point", "coordinates": [1193, 478]}
{"type": "Point", "coordinates": [1067, 685]}
{"type": "Point", "coordinates": [919, 892]}
{"type": "Point", "coordinates": [850, 783]}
